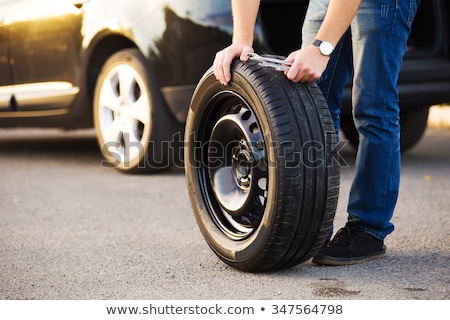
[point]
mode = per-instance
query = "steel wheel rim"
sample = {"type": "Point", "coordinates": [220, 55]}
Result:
{"type": "Point", "coordinates": [124, 113]}
{"type": "Point", "coordinates": [234, 173]}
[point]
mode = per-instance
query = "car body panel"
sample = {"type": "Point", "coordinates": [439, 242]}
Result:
{"type": "Point", "coordinates": [44, 41]}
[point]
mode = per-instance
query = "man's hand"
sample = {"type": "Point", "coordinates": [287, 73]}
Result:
{"type": "Point", "coordinates": [222, 62]}
{"type": "Point", "coordinates": [308, 64]}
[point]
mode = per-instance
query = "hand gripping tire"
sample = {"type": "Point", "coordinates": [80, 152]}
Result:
{"type": "Point", "coordinates": [261, 167]}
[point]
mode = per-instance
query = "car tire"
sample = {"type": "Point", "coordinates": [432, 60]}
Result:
{"type": "Point", "coordinates": [135, 130]}
{"type": "Point", "coordinates": [261, 168]}
{"type": "Point", "coordinates": [413, 123]}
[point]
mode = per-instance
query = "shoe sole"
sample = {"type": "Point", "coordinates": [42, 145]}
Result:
{"type": "Point", "coordinates": [334, 261]}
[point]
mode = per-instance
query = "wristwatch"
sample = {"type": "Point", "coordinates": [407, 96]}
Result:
{"type": "Point", "coordinates": [325, 47]}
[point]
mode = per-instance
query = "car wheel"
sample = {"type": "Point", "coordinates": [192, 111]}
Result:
{"type": "Point", "coordinates": [135, 130]}
{"type": "Point", "coordinates": [349, 129]}
{"type": "Point", "coordinates": [261, 168]}
{"type": "Point", "coordinates": [413, 123]}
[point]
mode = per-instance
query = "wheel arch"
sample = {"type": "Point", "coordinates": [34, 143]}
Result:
{"type": "Point", "coordinates": [100, 50]}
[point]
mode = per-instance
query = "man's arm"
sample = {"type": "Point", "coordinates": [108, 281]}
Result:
{"type": "Point", "coordinates": [244, 19]}
{"type": "Point", "coordinates": [308, 64]}
{"type": "Point", "coordinates": [337, 20]}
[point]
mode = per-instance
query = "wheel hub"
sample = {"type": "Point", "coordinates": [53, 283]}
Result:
{"type": "Point", "coordinates": [237, 176]}
{"type": "Point", "coordinates": [242, 163]}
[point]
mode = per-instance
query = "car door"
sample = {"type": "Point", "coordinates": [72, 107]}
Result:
{"type": "Point", "coordinates": [5, 75]}
{"type": "Point", "coordinates": [45, 39]}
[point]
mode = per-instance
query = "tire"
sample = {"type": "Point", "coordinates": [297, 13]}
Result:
{"type": "Point", "coordinates": [135, 131]}
{"type": "Point", "coordinates": [349, 129]}
{"type": "Point", "coordinates": [261, 168]}
{"type": "Point", "coordinates": [413, 123]}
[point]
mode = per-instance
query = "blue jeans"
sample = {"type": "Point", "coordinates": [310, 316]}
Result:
{"type": "Point", "coordinates": [370, 54]}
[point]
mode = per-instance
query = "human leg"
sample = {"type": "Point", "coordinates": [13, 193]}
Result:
{"type": "Point", "coordinates": [380, 32]}
{"type": "Point", "coordinates": [379, 35]}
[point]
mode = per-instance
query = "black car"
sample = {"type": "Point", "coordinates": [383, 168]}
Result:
{"type": "Point", "coordinates": [129, 68]}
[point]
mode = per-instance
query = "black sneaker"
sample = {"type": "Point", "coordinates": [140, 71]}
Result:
{"type": "Point", "coordinates": [350, 245]}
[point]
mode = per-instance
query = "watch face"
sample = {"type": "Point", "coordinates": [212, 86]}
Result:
{"type": "Point", "coordinates": [326, 48]}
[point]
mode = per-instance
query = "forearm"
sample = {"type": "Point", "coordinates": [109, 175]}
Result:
{"type": "Point", "coordinates": [244, 19]}
{"type": "Point", "coordinates": [337, 20]}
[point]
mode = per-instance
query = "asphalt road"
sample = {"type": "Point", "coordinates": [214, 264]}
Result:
{"type": "Point", "coordinates": [71, 229]}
